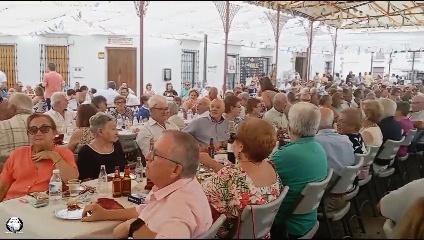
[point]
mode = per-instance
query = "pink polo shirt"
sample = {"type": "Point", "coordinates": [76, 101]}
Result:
{"type": "Point", "coordinates": [53, 81]}
{"type": "Point", "coordinates": [179, 210]}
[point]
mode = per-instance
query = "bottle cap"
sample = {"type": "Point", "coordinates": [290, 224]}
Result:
{"type": "Point", "coordinates": [55, 171]}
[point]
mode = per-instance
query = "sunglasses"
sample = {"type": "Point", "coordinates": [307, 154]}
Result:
{"type": "Point", "coordinates": [43, 129]}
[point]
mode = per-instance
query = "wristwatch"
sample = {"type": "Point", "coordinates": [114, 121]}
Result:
{"type": "Point", "coordinates": [137, 224]}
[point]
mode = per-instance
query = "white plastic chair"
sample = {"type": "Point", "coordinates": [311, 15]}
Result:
{"type": "Point", "coordinates": [403, 164]}
{"type": "Point", "coordinates": [211, 233]}
{"type": "Point", "coordinates": [343, 185]}
{"type": "Point", "coordinates": [257, 220]}
{"type": "Point", "coordinates": [310, 199]}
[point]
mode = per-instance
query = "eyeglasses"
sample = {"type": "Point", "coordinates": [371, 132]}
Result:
{"type": "Point", "coordinates": [43, 129]}
{"type": "Point", "coordinates": [161, 109]}
{"type": "Point", "coordinates": [154, 154]}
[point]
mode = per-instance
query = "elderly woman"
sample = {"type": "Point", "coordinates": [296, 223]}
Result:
{"type": "Point", "coordinates": [326, 101]}
{"type": "Point", "coordinates": [401, 116]}
{"type": "Point", "coordinates": [82, 134]}
{"type": "Point", "coordinates": [232, 108]}
{"type": "Point", "coordinates": [174, 118]}
{"type": "Point", "coordinates": [191, 103]}
{"type": "Point", "coordinates": [254, 108]}
{"type": "Point", "coordinates": [170, 92]}
{"type": "Point", "coordinates": [349, 124]}
{"type": "Point", "coordinates": [298, 163]}
{"type": "Point", "coordinates": [253, 179]}
{"type": "Point", "coordinates": [149, 91]}
{"type": "Point", "coordinates": [103, 150]}
{"type": "Point", "coordinates": [244, 97]}
{"type": "Point", "coordinates": [337, 99]}
{"type": "Point", "coordinates": [121, 108]}
{"type": "Point", "coordinates": [30, 168]}
{"type": "Point", "coordinates": [39, 102]}
{"type": "Point", "coordinates": [370, 131]}
{"type": "Point", "coordinates": [390, 128]}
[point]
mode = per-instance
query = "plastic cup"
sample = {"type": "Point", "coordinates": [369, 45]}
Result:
{"type": "Point", "coordinates": [74, 187]}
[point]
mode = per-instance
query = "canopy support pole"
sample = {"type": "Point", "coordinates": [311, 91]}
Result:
{"type": "Point", "coordinates": [334, 52]}
{"type": "Point", "coordinates": [141, 61]}
{"type": "Point", "coordinates": [310, 37]}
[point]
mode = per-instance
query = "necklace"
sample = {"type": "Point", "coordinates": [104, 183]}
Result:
{"type": "Point", "coordinates": [247, 161]}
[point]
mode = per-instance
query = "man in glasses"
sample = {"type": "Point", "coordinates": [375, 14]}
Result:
{"type": "Point", "coordinates": [185, 90]}
{"type": "Point", "coordinates": [13, 131]}
{"type": "Point", "coordinates": [157, 123]}
{"type": "Point", "coordinates": [277, 115]}
{"type": "Point", "coordinates": [178, 207]}
{"type": "Point", "coordinates": [59, 113]}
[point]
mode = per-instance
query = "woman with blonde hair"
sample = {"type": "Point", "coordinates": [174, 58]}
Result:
{"type": "Point", "coordinates": [370, 131]}
{"type": "Point", "coordinates": [191, 102]}
{"type": "Point", "coordinates": [39, 102]}
{"type": "Point", "coordinates": [411, 226]}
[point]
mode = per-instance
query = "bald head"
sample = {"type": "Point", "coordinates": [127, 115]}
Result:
{"type": "Point", "coordinates": [327, 118]}
{"type": "Point", "coordinates": [203, 105]}
{"type": "Point", "coordinates": [213, 93]}
{"type": "Point", "coordinates": [280, 102]}
{"type": "Point", "coordinates": [217, 109]}
{"type": "Point", "coordinates": [305, 97]}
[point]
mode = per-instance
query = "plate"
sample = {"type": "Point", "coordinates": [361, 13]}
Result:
{"type": "Point", "coordinates": [68, 215]}
{"type": "Point", "coordinates": [132, 175]}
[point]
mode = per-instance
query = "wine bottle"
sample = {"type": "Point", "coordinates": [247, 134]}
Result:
{"type": "Point", "coordinates": [230, 153]}
{"type": "Point", "coordinates": [211, 148]}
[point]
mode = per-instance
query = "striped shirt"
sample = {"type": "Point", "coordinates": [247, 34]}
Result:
{"type": "Point", "coordinates": [13, 133]}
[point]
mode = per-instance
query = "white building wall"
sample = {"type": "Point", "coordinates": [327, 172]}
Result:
{"type": "Point", "coordinates": [159, 53]}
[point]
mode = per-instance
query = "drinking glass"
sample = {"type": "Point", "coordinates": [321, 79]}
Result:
{"type": "Point", "coordinates": [74, 187]}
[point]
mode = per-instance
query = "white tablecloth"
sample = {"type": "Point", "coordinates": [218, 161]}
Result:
{"type": "Point", "coordinates": [41, 222]}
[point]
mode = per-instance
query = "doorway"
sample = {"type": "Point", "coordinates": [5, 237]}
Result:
{"type": "Point", "coordinates": [122, 66]}
{"type": "Point", "coordinates": [300, 66]}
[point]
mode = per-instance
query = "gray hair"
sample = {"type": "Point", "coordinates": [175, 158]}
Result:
{"type": "Point", "coordinates": [185, 151]}
{"type": "Point", "coordinates": [21, 101]}
{"type": "Point", "coordinates": [278, 98]}
{"type": "Point", "coordinates": [327, 118]}
{"type": "Point", "coordinates": [304, 119]}
{"type": "Point", "coordinates": [389, 107]}
{"type": "Point", "coordinates": [155, 99]}
{"type": "Point", "coordinates": [98, 121]}
{"type": "Point", "coordinates": [173, 108]}
{"type": "Point", "coordinates": [56, 97]}
{"type": "Point", "coordinates": [243, 95]}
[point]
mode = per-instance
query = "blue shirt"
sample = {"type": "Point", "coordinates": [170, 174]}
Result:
{"type": "Point", "coordinates": [299, 163]}
{"type": "Point", "coordinates": [205, 128]}
{"type": "Point", "coordinates": [143, 113]}
{"type": "Point", "coordinates": [3, 93]}
{"type": "Point", "coordinates": [338, 147]}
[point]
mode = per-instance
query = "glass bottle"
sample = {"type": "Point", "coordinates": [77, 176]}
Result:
{"type": "Point", "coordinates": [126, 182]}
{"type": "Point", "coordinates": [211, 148]}
{"type": "Point", "coordinates": [117, 183]}
{"type": "Point", "coordinates": [230, 153]}
{"type": "Point", "coordinates": [102, 186]}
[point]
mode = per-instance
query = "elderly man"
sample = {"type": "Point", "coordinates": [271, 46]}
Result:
{"type": "Point", "coordinates": [110, 93]}
{"type": "Point", "coordinates": [298, 163]}
{"type": "Point", "coordinates": [61, 116]}
{"type": "Point", "coordinates": [339, 151]}
{"type": "Point", "coordinates": [213, 126]}
{"type": "Point", "coordinates": [244, 96]}
{"type": "Point", "coordinates": [13, 132]}
{"type": "Point", "coordinates": [6, 111]}
{"type": "Point", "coordinates": [170, 211]}
{"type": "Point", "coordinates": [390, 128]}
{"type": "Point", "coordinates": [417, 111]}
{"type": "Point", "coordinates": [212, 94]}
{"type": "Point", "coordinates": [157, 123]}
{"type": "Point", "coordinates": [132, 100]}
{"type": "Point", "coordinates": [277, 115]}
{"type": "Point", "coordinates": [305, 97]}
{"type": "Point", "coordinates": [347, 99]}
{"type": "Point", "coordinates": [202, 107]}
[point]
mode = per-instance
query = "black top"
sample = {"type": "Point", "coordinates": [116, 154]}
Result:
{"type": "Point", "coordinates": [89, 161]}
{"type": "Point", "coordinates": [358, 142]}
{"type": "Point", "coordinates": [171, 93]}
{"type": "Point", "coordinates": [391, 129]}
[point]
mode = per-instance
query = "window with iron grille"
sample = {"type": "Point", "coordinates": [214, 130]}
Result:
{"type": "Point", "coordinates": [189, 67]}
{"type": "Point", "coordinates": [233, 78]}
{"type": "Point", "coordinates": [9, 63]}
{"type": "Point", "coordinates": [267, 64]}
{"type": "Point", "coordinates": [59, 55]}
{"type": "Point", "coordinates": [329, 67]}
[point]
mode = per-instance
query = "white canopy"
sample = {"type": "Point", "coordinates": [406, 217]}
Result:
{"type": "Point", "coordinates": [184, 20]}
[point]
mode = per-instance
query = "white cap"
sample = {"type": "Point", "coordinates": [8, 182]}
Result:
{"type": "Point", "coordinates": [55, 171]}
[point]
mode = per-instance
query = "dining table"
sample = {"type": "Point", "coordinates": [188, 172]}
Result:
{"type": "Point", "coordinates": [42, 223]}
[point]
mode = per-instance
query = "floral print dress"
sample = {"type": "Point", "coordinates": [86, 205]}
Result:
{"type": "Point", "coordinates": [230, 190]}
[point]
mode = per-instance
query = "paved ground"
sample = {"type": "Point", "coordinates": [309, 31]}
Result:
{"type": "Point", "coordinates": [373, 225]}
